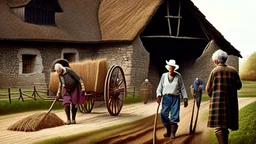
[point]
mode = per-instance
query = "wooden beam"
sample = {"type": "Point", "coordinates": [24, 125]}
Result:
{"type": "Point", "coordinates": [178, 27]}
{"type": "Point", "coordinates": [174, 37]}
{"type": "Point", "coordinates": [168, 20]}
{"type": "Point", "coordinates": [178, 17]}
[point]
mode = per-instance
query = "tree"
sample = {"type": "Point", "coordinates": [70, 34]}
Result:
{"type": "Point", "coordinates": [248, 69]}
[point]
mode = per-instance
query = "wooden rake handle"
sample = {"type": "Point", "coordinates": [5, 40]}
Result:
{"type": "Point", "coordinates": [49, 110]}
{"type": "Point", "coordinates": [155, 122]}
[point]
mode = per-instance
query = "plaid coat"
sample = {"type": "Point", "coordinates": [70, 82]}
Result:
{"type": "Point", "coordinates": [222, 87]}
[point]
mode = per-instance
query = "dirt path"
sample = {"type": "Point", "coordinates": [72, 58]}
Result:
{"type": "Point", "coordinates": [182, 136]}
{"type": "Point", "coordinates": [138, 132]}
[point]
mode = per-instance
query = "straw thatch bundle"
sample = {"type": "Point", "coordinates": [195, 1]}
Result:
{"type": "Point", "coordinates": [92, 72]}
{"type": "Point", "coordinates": [36, 122]}
{"type": "Point", "coordinates": [122, 20]}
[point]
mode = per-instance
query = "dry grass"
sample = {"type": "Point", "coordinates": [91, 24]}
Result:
{"type": "Point", "coordinates": [37, 122]}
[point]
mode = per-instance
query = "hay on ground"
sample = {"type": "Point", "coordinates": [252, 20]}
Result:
{"type": "Point", "coordinates": [36, 122]}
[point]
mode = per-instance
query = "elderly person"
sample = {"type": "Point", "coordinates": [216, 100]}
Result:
{"type": "Point", "coordinates": [222, 87]}
{"type": "Point", "coordinates": [170, 89]}
{"type": "Point", "coordinates": [146, 90]}
{"type": "Point", "coordinates": [198, 86]}
{"type": "Point", "coordinates": [71, 87]}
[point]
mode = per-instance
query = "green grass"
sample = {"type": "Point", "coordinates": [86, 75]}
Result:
{"type": "Point", "coordinates": [247, 126]}
{"type": "Point", "coordinates": [248, 90]}
{"type": "Point", "coordinates": [132, 99]}
{"type": "Point", "coordinates": [27, 105]}
{"type": "Point", "coordinates": [247, 121]}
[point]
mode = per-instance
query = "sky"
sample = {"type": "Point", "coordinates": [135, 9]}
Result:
{"type": "Point", "coordinates": [235, 20]}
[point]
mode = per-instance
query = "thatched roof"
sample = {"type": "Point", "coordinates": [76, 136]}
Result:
{"type": "Point", "coordinates": [123, 20]}
{"type": "Point", "coordinates": [17, 3]}
{"type": "Point", "coordinates": [96, 21]}
{"type": "Point", "coordinates": [77, 23]}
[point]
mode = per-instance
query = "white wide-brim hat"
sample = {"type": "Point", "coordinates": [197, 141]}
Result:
{"type": "Point", "coordinates": [171, 62]}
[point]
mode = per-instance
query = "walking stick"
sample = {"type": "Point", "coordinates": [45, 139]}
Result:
{"type": "Point", "coordinates": [194, 129]}
{"type": "Point", "coordinates": [191, 122]}
{"type": "Point", "coordinates": [154, 132]}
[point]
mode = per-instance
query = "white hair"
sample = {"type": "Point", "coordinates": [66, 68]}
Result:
{"type": "Point", "coordinates": [220, 55]}
{"type": "Point", "coordinates": [58, 67]}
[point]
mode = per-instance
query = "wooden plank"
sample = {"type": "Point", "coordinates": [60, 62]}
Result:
{"type": "Point", "coordinates": [177, 17]}
{"type": "Point", "coordinates": [168, 20]}
{"type": "Point", "coordinates": [178, 27]}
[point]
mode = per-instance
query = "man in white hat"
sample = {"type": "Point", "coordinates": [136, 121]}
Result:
{"type": "Point", "coordinates": [169, 90]}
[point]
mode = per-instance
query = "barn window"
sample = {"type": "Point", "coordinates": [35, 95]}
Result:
{"type": "Point", "coordinates": [70, 57]}
{"type": "Point", "coordinates": [28, 63]}
{"type": "Point", "coordinates": [41, 12]}
{"type": "Point", "coordinates": [70, 54]}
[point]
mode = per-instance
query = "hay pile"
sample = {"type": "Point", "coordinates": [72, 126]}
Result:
{"type": "Point", "coordinates": [37, 122]}
{"type": "Point", "coordinates": [92, 72]}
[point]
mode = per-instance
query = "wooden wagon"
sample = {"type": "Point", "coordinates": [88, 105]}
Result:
{"type": "Point", "coordinates": [101, 84]}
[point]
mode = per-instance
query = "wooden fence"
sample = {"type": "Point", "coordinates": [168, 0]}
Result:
{"type": "Point", "coordinates": [24, 95]}
{"type": "Point", "coordinates": [35, 94]}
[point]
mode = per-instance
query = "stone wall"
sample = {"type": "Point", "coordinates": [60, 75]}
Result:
{"type": "Point", "coordinates": [132, 57]}
{"type": "Point", "coordinates": [202, 66]}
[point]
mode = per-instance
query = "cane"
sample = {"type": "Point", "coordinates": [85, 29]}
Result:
{"type": "Point", "coordinates": [191, 122]}
{"type": "Point", "coordinates": [154, 132]}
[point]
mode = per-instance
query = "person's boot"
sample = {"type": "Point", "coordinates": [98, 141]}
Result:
{"type": "Point", "coordinates": [226, 136]}
{"type": "Point", "coordinates": [67, 111]}
{"type": "Point", "coordinates": [222, 135]}
{"type": "Point", "coordinates": [174, 128]}
{"type": "Point", "coordinates": [168, 131]}
{"type": "Point", "coordinates": [74, 111]}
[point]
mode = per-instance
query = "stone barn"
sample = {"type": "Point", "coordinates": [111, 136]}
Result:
{"type": "Point", "coordinates": [138, 35]}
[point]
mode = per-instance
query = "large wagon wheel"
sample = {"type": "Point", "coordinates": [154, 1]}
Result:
{"type": "Point", "coordinates": [88, 105]}
{"type": "Point", "coordinates": [115, 90]}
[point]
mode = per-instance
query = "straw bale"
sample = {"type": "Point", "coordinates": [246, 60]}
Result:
{"type": "Point", "coordinates": [54, 82]}
{"type": "Point", "coordinates": [92, 72]}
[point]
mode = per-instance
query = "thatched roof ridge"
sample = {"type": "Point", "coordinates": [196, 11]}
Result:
{"type": "Point", "coordinates": [125, 19]}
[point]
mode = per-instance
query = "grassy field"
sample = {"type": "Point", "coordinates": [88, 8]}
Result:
{"type": "Point", "coordinates": [247, 122]}
{"type": "Point", "coordinates": [248, 90]}
{"type": "Point", "coordinates": [17, 105]}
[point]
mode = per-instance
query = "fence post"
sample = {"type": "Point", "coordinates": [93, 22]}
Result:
{"type": "Point", "coordinates": [9, 94]}
{"type": "Point", "coordinates": [133, 91]}
{"type": "Point", "coordinates": [34, 93]}
{"type": "Point", "coordinates": [21, 95]}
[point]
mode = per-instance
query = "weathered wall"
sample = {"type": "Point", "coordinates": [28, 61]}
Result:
{"type": "Point", "coordinates": [133, 58]}
{"type": "Point", "coordinates": [202, 66]}
{"type": "Point", "coordinates": [10, 63]}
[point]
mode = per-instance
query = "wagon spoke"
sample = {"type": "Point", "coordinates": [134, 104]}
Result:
{"type": "Point", "coordinates": [121, 81]}
{"type": "Point", "coordinates": [121, 89]}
